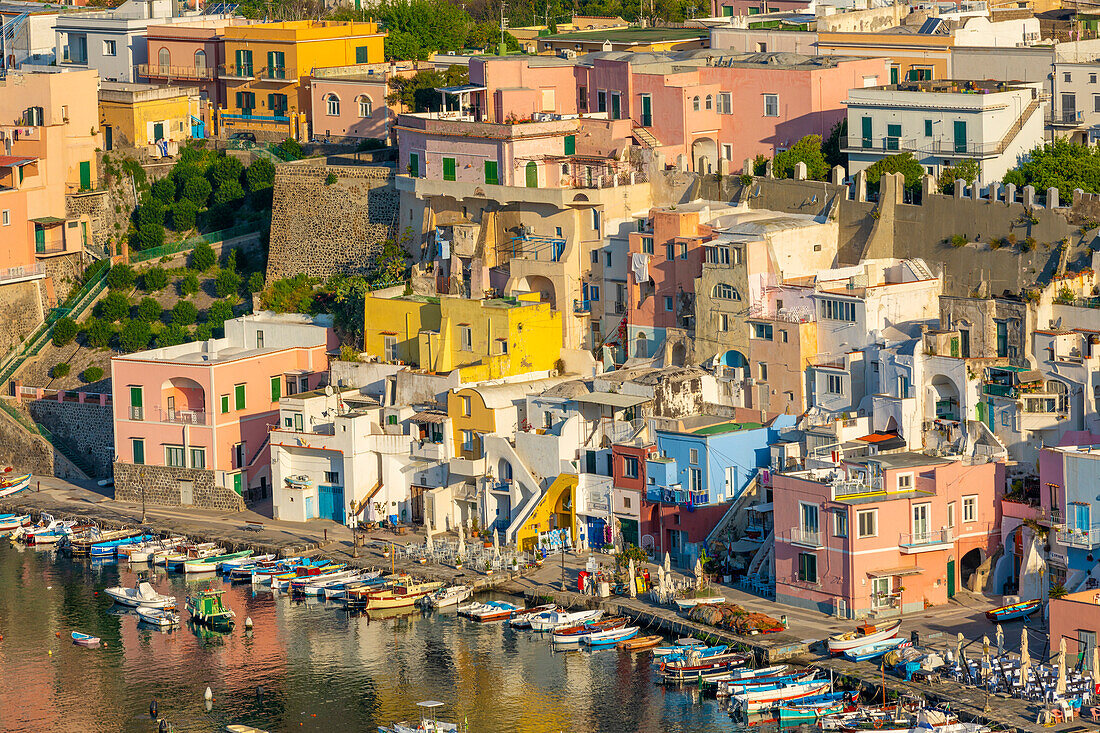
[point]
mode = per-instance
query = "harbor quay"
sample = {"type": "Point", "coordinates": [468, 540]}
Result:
{"type": "Point", "coordinates": [799, 643]}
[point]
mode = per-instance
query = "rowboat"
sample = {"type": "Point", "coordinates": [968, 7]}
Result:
{"type": "Point", "coordinates": [1013, 611]}
{"type": "Point", "coordinates": [686, 604]}
{"type": "Point", "coordinates": [639, 642]}
{"type": "Point", "coordinates": [401, 595]}
{"type": "Point", "coordinates": [283, 581]}
{"type": "Point", "coordinates": [573, 634]}
{"type": "Point", "coordinates": [426, 724]}
{"type": "Point", "coordinates": [315, 585]}
{"type": "Point", "coordinates": [876, 649]}
{"type": "Point", "coordinates": [523, 620]}
{"type": "Point", "coordinates": [678, 646]}
{"type": "Point", "coordinates": [110, 549]}
{"type": "Point", "coordinates": [85, 639]}
{"type": "Point", "coordinates": [210, 564]}
{"type": "Point", "coordinates": [489, 611]}
{"type": "Point", "coordinates": [158, 617]}
{"type": "Point", "coordinates": [812, 708]}
{"type": "Point", "coordinates": [241, 728]}
{"type": "Point", "coordinates": [729, 686]}
{"type": "Point", "coordinates": [242, 562]}
{"type": "Point", "coordinates": [609, 638]}
{"type": "Point", "coordinates": [175, 561]}
{"type": "Point", "coordinates": [9, 486]}
{"type": "Point", "coordinates": [767, 697]}
{"type": "Point", "coordinates": [206, 608]}
{"type": "Point", "coordinates": [864, 635]}
{"type": "Point", "coordinates": [141, 595]}
{"type": "Point", "coordinates": [13, 521]}
{"type": "Point", "coordinates": [551, 620]}
{"type": "Point", "coordinates": [339, 592]}
{"type": "Point", "coordinates": [684, 653]}
{"type": "Point", "coordinates": [452, 595]}
{"type": "Point", "coordinates": [677, 673]}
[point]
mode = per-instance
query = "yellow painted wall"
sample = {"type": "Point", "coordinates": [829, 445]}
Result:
{"type": "Point", "coordinates": [904, 51]}
{"type": "Point", "coordinates": [481, 419]}
{"type": "Point", "coordinates": [554, 502]}
{"type": "Point", "coordinates": [129, 122]}
{"type": "Point", "coordinates": [402, 317]}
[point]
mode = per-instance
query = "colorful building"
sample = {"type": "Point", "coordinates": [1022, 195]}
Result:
{"type": "Point", "coordinates": [886, 534]}
{"type": "Point", "coordinates": [349, 103]}
{"type": "Point", "coordinates": [267, 67]}
{"type": "Point", "coordinates": [192, 421]}
{"type": "Point", "coordinates": [1075, 617]}
{"type": "Point", "coordinates": [139, 115]}
{"type": "Point", "coordinates": [631, 40]}
{"type": "Point", "coordinates": [1069, 487]}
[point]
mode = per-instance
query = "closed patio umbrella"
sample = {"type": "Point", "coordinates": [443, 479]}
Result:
{"type": "Point", "coordinates": [632, 591]}
{"type": "Point", "coordinates": [1060, 685]}
{"type": "Point", "coordinates": [668, 563]}
{"type": "Point", "coordinates": [461, 542]}
{"type": "Point", "coordinates": [1025, 657]}
{"type": "Point", "coordinates": [429, 547]}
{"type": "Point", "coordinates": [1000, 641]}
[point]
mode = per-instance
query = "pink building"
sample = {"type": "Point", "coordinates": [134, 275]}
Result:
{"type": "Point", "coordinates": [192, 421]}
{"type": "Point", "coordinates": [890, 533]}
{"type": "Point", "coordinates": [349, 102]}
{"type": "Point", "coordinates": [522, 86]}
{"type": "Point", "coordinates": [1075, 618]}
{"type": "Point", "coordinates": [737, 8]}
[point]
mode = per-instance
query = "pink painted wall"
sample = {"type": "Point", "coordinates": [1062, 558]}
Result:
{"type": "Point", "coordinates": [1052, 487]}
{"type": "Point", "coordinates": [513, 87]}
{"type": "Point", "coordinates": [1075, 612]}
{"type": "Point", "coordinates": [670, 276]}
{"type": "Point", "coordinates": [349, 123]}
{"type": "Point", "coordinates": [182, 44]}
{"type": "Point", "coordinates": [742, 7]}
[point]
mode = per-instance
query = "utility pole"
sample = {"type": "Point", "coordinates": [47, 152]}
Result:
{"type": "Point", "coordinates": [502, 23]}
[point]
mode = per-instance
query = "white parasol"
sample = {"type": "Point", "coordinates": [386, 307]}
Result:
{"type": "Point", "coordinates": [698, 571]}
{"type": "Point", "coordinates": [632, 590]}
{"type": "Point", "coordinates": [1060, 685]}
{"type": "Point", "coordinates": [1025, 657]}
{"type": "Point", "coordinates": [429, 548]}
{"type": "Point", "coordinates": [461, 542]}
{"type": "Point", "coordinates": [668, 563]}
{"type": "Point", "coordinates": [1000, 641]}
{"type": "Point", "coordinates": [496, 542]}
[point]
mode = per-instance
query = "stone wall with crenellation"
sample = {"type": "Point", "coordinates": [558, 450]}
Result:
{"type": "Point", "coordinates": [162, 487]}
{"type": "Point", "coordinates": [321, 229]}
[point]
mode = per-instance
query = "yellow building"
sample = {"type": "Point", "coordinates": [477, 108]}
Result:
{"type": "Point", "coordinates": [267, 66]}
{"type": "Point", "coordinates": [134, 115]}
{"type": "Point", "coordinates": [483, 339]}
{"type": "Point", "coordinates": [556, 510]}
{"type": "Point", "coordinates": [913, 56]}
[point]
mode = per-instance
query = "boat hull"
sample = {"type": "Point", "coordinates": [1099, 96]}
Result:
{"type": "Point", "coordinates": [839, 645]}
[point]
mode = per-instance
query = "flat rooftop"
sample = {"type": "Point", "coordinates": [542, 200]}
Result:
{"type": "Point", "coordinates": [949, 86]}
{"type": "Point", "coordinates": [901, 460]}
{"type": "Point", "coordinates": [630, 35]}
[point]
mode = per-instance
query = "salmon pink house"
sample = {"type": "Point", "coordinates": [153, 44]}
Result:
{"type": "Point", "coordinates": [884, 534]}
{"type": "Point", "coordinates": [192, 421]}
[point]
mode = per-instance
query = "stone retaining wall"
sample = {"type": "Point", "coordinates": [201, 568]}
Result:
{"type": "Point", "coordinates": [162, 487]}
{"type": "Point", "coordinates": [321, 229]}
{"type": "Point", "coordinates": [88, 428]}
{"type": "Point", "coordinates": [28, 452]}
{"type": "Point", "coordinates": [21, 304]}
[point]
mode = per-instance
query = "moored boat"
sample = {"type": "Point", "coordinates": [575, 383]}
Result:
{"type": "Point", "coordinates": [489, 611]}
{"type": "Point", "coordinates": [86, 640]}
{"type": "Point", "coordinates": [686, 604]}
{"type": "Point", "coordinates": [522, 620]}
{"type": "Point", "coordinates": [428, 722]}
{"type": "Point", "coordinates": [610, 637]}
{"type": "Point", "coordinates": [14, 485]}
{"type": "Point", "coordinates": [13, 521]}
{"type": "Point", "coordinates": [452, 595]}
{"type": "Point", "coordinates": [639, 643]}
{"type": "Point", "coordinates": [206, 607]}
{"type": "Point", "coordinates": [875, 649]}
{"type": "Point", "coordinates": [210, 564]}
{"type": "Point", "coordinates": [315, 585]}
{"type": "Point", "coordinates": [552, 620]}
{"type": "Point", "coordinates": [143, 594]}
{"type": "Point", "coordinates": [158, 617]}
{"type": "Point", "coordinates": [768, 696]}
{"type": "Point", "coordinates": [705, 670]}
{"type": "Point", "coordinates": [1014, 611]}
{"type": "Point", "coordinates": [402, 594]}
{"type": "Point", "coordinates": [573, 634]}
{"type": "Point", "coordinates": [862, 636]}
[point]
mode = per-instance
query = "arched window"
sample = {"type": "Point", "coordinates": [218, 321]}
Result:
{"type": "Point", "coordinates": [200, 60]}
{"type": "Point", "coordinates": [710, 102]}
{"type": "Point", "coordinates": [695, 103]}
{"type": "Point", "coordinates": [332, 105]}
{"type": "Point", "coordinates": [164, 58]}
{"type": "Point", "coordinates": [722, 291]}
{"type": "Point", "coordinates": [365, 108]}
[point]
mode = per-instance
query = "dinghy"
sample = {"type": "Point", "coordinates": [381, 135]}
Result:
{"type": "Point", "coordinates": [862, 636]}
{"type": "Point", "coordinates": [523, 620]}
{"type": "Point", "coordinates": [14, 485]}
{"type": "Point", "coordinates": [141, 595]}
{"type": "Point", "coordinates": [551, 620]}
{"type": "Point", "coordinates": [86, 640]}
{"type": "Point", "coordinates": [1014, 611]}
{"type": "Point", "coordinates": [639, 643]}
{"type": "Point", "coordinates": [598, 639]}
{"type": "Point", "coordinates": [876, 649]}
{"type": "Point", "coordinates": [757, 699]}
{"type": "Point", "coordinates": [158, 617]}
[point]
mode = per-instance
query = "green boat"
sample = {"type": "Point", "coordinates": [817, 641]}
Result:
{"type": "Point", "coordinates": [206, 608]}
{"type": "Point", "coordinates": [210, 564]}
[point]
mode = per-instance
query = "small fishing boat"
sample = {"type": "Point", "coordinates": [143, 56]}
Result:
{"type": "Point", "coordinates": [678, 646]}
{"type": "Point", "coordinates": [9, 486]}
{"type": "Point", "coordinates": [452, 595]}
{"type": "Point", "coordinates": [86, 640]}
{"type": "Point", "coordinates": [698, 652]}
{"type": "Point", "coordinates": [708, 669]}
{"type": "Point", "coordinates": [403, 594]}
{"type": "Point", "coordinates": [1014, 611]}
{"type": "Point", "coordinates": [245, 562]}
{"type": "Point", "coordinates": [210, 564]}
{"type": "Point", "coordinates": [876, 649]}
{"type": "Point", "coordinates": [862, 636]}
{"type": "Point", "coordinates": [110, 548]}
{"type": "Point", "coordinates": [573, 634]}
{"type": "Point", "coordinates": [158, 617]}
{"type": "Point", "coordinates": [13, 521]}
{"type": "Point", "coordinates": [523, 620]}
{"type": "Point", "coordinates": [611, 637]}
{"type": "Point", "coordinates": [767, 697]}
{"type": "Point", "coordinates": [741, 679]}
{"type": "Point", "coordinates": [640, 642]}
{"type": "Point", "coordinates": [810, 709]}
{"type": "Point", "coordinates": [283, 581]}
{"type": "Point", "coordinates": [551, 620]}
{"type": "Point", "coordinates": [490, 611]}
{"type": "Point", "coordinates": [143, 594]}
{"type": "Point", "coordinates": [314, 585]}
{"type": "Point", "coordinates": [426, 724]}
{"type": "Point", "coordinates": [206, 608]}
{"type": "Point", "coordinates": [686, 604]}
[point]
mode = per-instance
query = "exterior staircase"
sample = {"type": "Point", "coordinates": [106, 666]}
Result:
{"type": "Point", "coordinates": [644, 137]}
{"type": "Point", "coordinates": [764, 557]}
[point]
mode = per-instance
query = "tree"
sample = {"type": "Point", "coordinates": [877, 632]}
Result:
{"type": "Point", "coordinates": [966, 170]}
{"type": "Point", "coordinates": [64, 331]}
{"type": "Point", "coordinates": [290, 149]}
{"type": "Point", "coordinates": [134, 336]}
{"type": "Point", "coordinates": [202, 257]}
{"type": "Point", "coordinates": [184, 313]}
{"type": "Point", "coordinates": [1062, 165]}
{"type": "Point", "coordinates": [256, 282]}
{"type": "Point", "coordinates": [389, 265]}
{"type": "Point", "coordinates": [229, 193]}
{"type": "Point", "coordinates": [197, 190]}
{"type": "Point", "coordinates": [148, 310]}
{"type": "Point", "coordinates": [838, 138]}
{"type": "Point", "coordinates": [151, 211]}
{"type": "Point", "coordinates": [219, 312]}
{"type": "Point", "coordinates": [486, 36]}
{"type": "Point", "coordinates": [808, 151]}
{"type": "Point", "coordinates": [259, 176]}
{"type": "Point", "coordinates": [224, 170]}
{"type": "Point", "coordinates": [227, 283]}
{"type": "Point", "coordinates": [154, 279]}
{"type": "Point", "coordinates": [60, 370]}
{"type": "Point", "coordinates": [903, 163]}
{"type": "Point", "coordinates": [183, 215]}
{"type": "Point", "coordinates": [114, 307]}
{"type": "Point", "coordinates": [204, 332]}
{"type": "Point", "coordinates": [147, 236]}
{"type": "Point", "coordinates": [418, 28]}
{"type": "Point", "coordinates": [164, 190]}
{"type": "Point", "coordinates": [121, 277]}
{"type": "Point", "coordinates": [92, 374]}
{"type": "Point", "coordinates": [189, 285]}
{"type": "Point", "coordinates": [418, 92]}
{"type": "Point", "coordinates": [97, 333]}
{"type": "Point", "coordinates": [173, 335]}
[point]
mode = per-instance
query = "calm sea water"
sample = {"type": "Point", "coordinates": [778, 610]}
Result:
{"type": "Point", "coordinates": [320, 669]}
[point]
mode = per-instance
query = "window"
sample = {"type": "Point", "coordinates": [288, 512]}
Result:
{"type": "Point", "coordinates": [807, 567]}
{"type": "Point", "coordinates": [723, 291]}
{"type": "Point", "coordinates": [362, 54]}
{"type": "Point", "coordinates": [626, 502]}
{"type": "Point", "coordinates": [246, 102]}
{"type": "Point", "coordinates": [502, 346]}
{"type": "Point", "coordinates": [630, 467]}
{"type": "Point", "coordinates": [834, 384]}
{"type": "Point", "coordinates": [109, 48]}
{"type": "Point", "coordinates": [491, 172]}
{"type": "Point", "coordinates": [137, 404]}
{"type": "Point", "coordinates": [138, 447]}
{"type": "Point", "coordinates": [783, 335]}
{"type": "Point", "coordinates": [647, 245]}
{"type": "Point", "coordinates": [224, 404]}
{"type": "Point", "coordinates": [723, 322]}
{"type": "Point", "coordinates": [727, 151]}
{"type": "Point", "coordinates": [278, 103]}
{"type": "Point", "coordinates": [276, 65]}
{"type": "Point", "coordinates": [200, 60]}
{"type": "Point", "coordinates": [1067, 76]}
{"type": "Point", "coordinates": [173, 456]}
{"type": "Point", "coordinates": [259, 339]}
{"type": "Point", "coordinates": [582, 99]}
{"type": "Point", "coordinates": [601, 100]}
{"type": "Point", "coordinates": [332, 105]}
{"type": "Point", "coordinates": [467, 440]}
{"type": "Point", "coordinates": [466, 404]}
{"type": "Point", "coordinates": [198, 458]}
{"type": "Point", "coordinates": [238, 396]}
{"type": "Point", "coordinates": [332, 477]}
{"type": "Point", "coordinates": [5, 217]}
{"type": "Point", "coordinates": [670, 251]}
{"type": "Point", "coordinates": [276, 388]}
{"type": "Point", "coordinates": [449, 169]}
{"type": "Point", "coordinates": [668, 304]}
{"type": "Point", "coordinates": [594, 293]}
{"type": "Point", "coordinates": [970, 509]}
{"type": "Point", "coordinates": [693, 456]}
{"type": "Point", "coordinates": [903, 386]}
{"type": "Point", "coordinates": [870, 81]}
{"type": "Point", "coordinates": [164, 59]}
{"type": "Point", "coordinates": [1092, 78]}
{"type": "Point", "coordinates": [718, 255]}
{"type": "Point", "coordinates": [709, 102]}
{"type": "Point", "coordinates": [762, 371]}
{"type": "Point", "coordinates": [466, 338]}
{"type": "Point", "coordinates": [596, 220]}
{"type": "Point", "coordinates": [867, 523]}
{"type": "Point", "coordinates": [414, 165]}
{"type": "Point", "coordinates": [905, 481]}
{"type": "Point", "coordinates": [762, 331]}
{"type": "Point", "coordinates": [771, 105]}
{"type": "Point", "coordinates": [928, 128]}
{"type": "Point", "coordinates": [951, 515]}
{"type": "Point", "coordinates": [893, 137]}
{"type": "Point", "coordinates": [725, 103]}
{"type": "Point", "coordinates": [838, 310]}
{"type": "Point", "coordinates": [365, 105]}
{"type": "Point", "coordinates": [683, 250]}
{"type": "Point", "coordinates": [389, 346]}
{"type": "Point", "coordinates": [695, 479]}
{"type": "Point", "coordinates": [840, 523]}
{"type": "Point", "coordinates": [695, 104]}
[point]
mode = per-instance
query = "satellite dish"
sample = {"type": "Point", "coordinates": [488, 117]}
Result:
{"type": "Point", "coordinates": [328, 391]}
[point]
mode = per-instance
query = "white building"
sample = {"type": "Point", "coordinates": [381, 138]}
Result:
{"type": "Point", "coordinates": [1075, 102]}
{"type": "Point", "coordinates": [30, 32]}
{"type": "Point", "coordinates": [943, 122]}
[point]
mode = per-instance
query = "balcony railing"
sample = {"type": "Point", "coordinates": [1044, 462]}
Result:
{"type": "Point", "coordinates": [582, 306]}
{"type": "Point", "coordinates": [159, 71]}
{"type": "Point", "coordinates": [1085, 539]}
{"type": "Point", "coordinates": [926, 539]}
{"type": "Point", "coordinates": [277, 73]}
{"type": "Point", "coordinates": [427, 450]}
{"type": "Point", "coordinates": [894, 145]}
{"type": "Point", "coordinates": [806, 537]}
{"type": "Point", "coordinates": [188, 417]}
{"type": "Point", "coordinates": [137, 413]}
{"type": "Point", "coordinates": [1000, 390]}
{"type": "Point", "coordinates": [233, 71]}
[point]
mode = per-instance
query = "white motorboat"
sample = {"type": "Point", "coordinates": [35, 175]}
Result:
{"type": "Point", "coordinates": [523, 620]}
{"type": "Point", "coordinates": [317, 588]}
{"type": "Point", "coordinates": [242, 562]}
{"type": "Point", "coordinates": [449, 596]}
{"type": "Point", "coordinates": [864, 635]}
{"type": "Point", "coordinates": [550, 620]}
{"type": "Point", "coordinates": [158, 617]}
{"type": "Point", "coordinates": [143, 595]}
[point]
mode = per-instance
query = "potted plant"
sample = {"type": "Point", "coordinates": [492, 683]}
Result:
{"type": "Point", "coordinates": [488, 568]}
{"type": "Point", "coordinates": [474, 527]}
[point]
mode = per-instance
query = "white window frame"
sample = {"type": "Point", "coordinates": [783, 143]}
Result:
{"type": "Point", "coordinates": [366, 106]}
{"type": "Point", "coordinates": [193, 451]}
{"type": "Point", "coordinates": [970, 509]}
{"type": "Point", "coordinates": [772, 101]}
{"type": "Point", "coordinates": [840, 517]}
{"type": "Point", "coordinates": [7, 217]}
{"type": "Point", "coordinates": [834, 384]}
{"type": "Point", "coordinates": [466, 338]}
{"type": "Point", "coordinates": [873, 513]}
{"type": "Point", "coordinates": [172, 450]}
{"type": "Point", "coordinates": [905, 481]}
{"type": "Point", "coordinates": [332, 105]}
{"type": "Point", "coordinates": [389, 346]}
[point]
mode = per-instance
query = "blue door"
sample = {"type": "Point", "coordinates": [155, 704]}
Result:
{"type": "Point", "coordinates": [1080, 516]}
{"type": "Point", "coordinates": [309, 508]}
{"type": "Point", "coordinates": [331, 502]}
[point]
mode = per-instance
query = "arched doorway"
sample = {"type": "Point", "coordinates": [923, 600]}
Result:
{"type": "Point", "coordinates": [641, 346]}
{"type": "Point", "coordinates": [704, 155]}
{"type": "Point", "coordinates": [733, 358]}
{"type": "Point", "coordinates": [537, 284]}
{"type": "Point", "coordinates": [679, 354]}
{"type": "Point", "coordinates": [945, 396]}
{"type": "Point", "coordinates": [969, 565]}
{"type": "Point", "coordinates": [532, 171]}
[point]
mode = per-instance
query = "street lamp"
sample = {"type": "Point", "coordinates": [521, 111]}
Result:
{"type": "Point", "coordinates": [141, 478]}
{"type": "Point", "coordinates": [561, 539]}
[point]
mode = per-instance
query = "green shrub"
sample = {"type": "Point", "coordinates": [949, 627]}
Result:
{"type": "Point", "coordinates": [183, 215]}
{"type": "Point", "coordinates": [189, 285]}
{"type": "Point", "coordinates": [227, 283]}
{"type": "Point", "coordinates": [148, 310]}
{"type": "Point", "coordinates": [93, 270]}
{"type": "Point", "coordinates": [229, 193]}
{"type": "Point", "coordinates": [134, 336]}
{"type": "Point", "coordinates": [114, 307]}
{"type": "Point", "coordinates": [151, 211]}
{"type": "Point", "coordinates": [225, 170]}
{"type": "Point", "coordinates": [370, 143]}
{"type": "Point", "coordinates": [291, 148]}
{"type": "Point", "coordinates": [97, 333]}
{"type": "Point", "coordinates": [64, 331]}
{"type": "Point", "coordinates": [260, 175]}
{"type": "Point", "coordinates": [197, 190]}
{"type": "Point", "coordinates": [173, 335]}
{"type": "Point", "coordinates": [60, 370]}
{"type": "Point", "coordinates": [219, 312]}
{"type": "Point", "coordinates": [164, 190]}
{"type": "Point", "coordinates": [184, 313]}
{"type": "Point", "coordinates": [231, 260]}
{"type": "Point", "coordinates": [121, 277]}
{"type": "Point", "coordinates": [959, 240]}
{"type": "Point", "coordinates": [256, 282]}
{"type": "Point", "coordinates": [92, 374]}
{"type": "Point", "coordinates": [147, 236]}
{"type": "Point", "coordinates": [204, 332]}
{"type": "Point", "coordinates": [202, 257]}
{"type": "Point", "coordinates": [154, 279]}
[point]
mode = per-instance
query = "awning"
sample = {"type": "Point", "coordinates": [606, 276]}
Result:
{"type": "Point", "coordinates": [48, 220]}
{"type": "Point", "coordinates": [1031, 375]}
{"type": "Point", "coordinates": [9, 161]}
{"type": "Point", "coordinates": [762, 508]}
{"type": "Point", "coordinates": [611, 399]}
{"type": "Point", "coordinates": [888, 572]}
{"type": "Point", "coordinates": [461, 89]}
{"type": "Point", "coordinates": [429, 416]}
{"type": "Point", "coordinates": [883, 441]}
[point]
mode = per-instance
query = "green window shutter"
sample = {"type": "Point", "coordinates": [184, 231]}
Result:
{"type": "Point", "coordinates": [491, 172]}
{"type": "Point", "coordinates": [448, 169]}
{"type": "Point", "coordinates": [225, 404]}
{"type": "Point", "coordinates": [139, 451]}
{"type": "Point", "coordinates": [238, 392]}
{"type": "Point", "coordinates": [135, 397]}
{"type": "Point", "coordinates": [362, 55]}
{"type": "Point", "coordinates": [928, 128]}
{"type": "Point", "coordinates": [276, 388]}
{"type": "Point", "coordinates": [866, 131]}
{"type": "Point", "coordinates": [414, 165]}
{"type": "Point", "coordinates": [570, 144]}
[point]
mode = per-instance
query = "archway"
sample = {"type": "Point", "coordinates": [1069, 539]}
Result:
{"type": "Point", "coordinates": [704, 154]}
{"type": "Point", "coordinates": [944, 395]}
{"type": "Point", "coordinates": [182, 399]}
{"type": "Point", "coordinates": [544, 286]}
{"type": "Point", "coordinates": [969, 565]}
{"type": "Point", "coordinates": [641, 346]}
{"type": "Point", "coordinates": [733, 359]}
{"type": "Point", "coordinates": [679, 354]}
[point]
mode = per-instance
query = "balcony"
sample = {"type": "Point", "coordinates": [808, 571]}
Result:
{"type": "Point", "coordinates": [470, 467]}
{"type": "Point", "coordinates": [1000, 390]}
{"type": "Point", "coordinates": [1082, 539]}
{"type": "Point", "coordinates": [426, 450]}
{"type": "Point", "coordinates": [175, 73]}
{"type": "Point", "coordinates": [582, 307]}
{"type": "Point", "coordinates": [185, 417]}
{"type": "Point", "coordinates": [277, 74]}
{"type": "Point", "coordinates": [233, 71]}
{"type": "Point", "coordinates": [500, 487]}
{"type": "Point", "coordinates": [804, 537]}
{"type": "Point", "coordinates": [854, 487]}
{"type": "Point", "coordinates": [916, 542]}
{"type": "Point", "coordinates": [137, 412]}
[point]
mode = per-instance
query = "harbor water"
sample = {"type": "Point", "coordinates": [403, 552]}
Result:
{"type": "Point", "coordinates": [304, 666]}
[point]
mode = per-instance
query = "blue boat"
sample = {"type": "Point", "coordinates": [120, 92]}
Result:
{"type": "Point", "coordinates": [875, 649]}
{"type": "Point", "coordinates": [1011, 612]}
{"type": "Point", "coordinates": [108, 549]}
{"type": "Point", "coordinates": [601, 639]}
{"type": "Point", "coordinates": [681, 653]}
